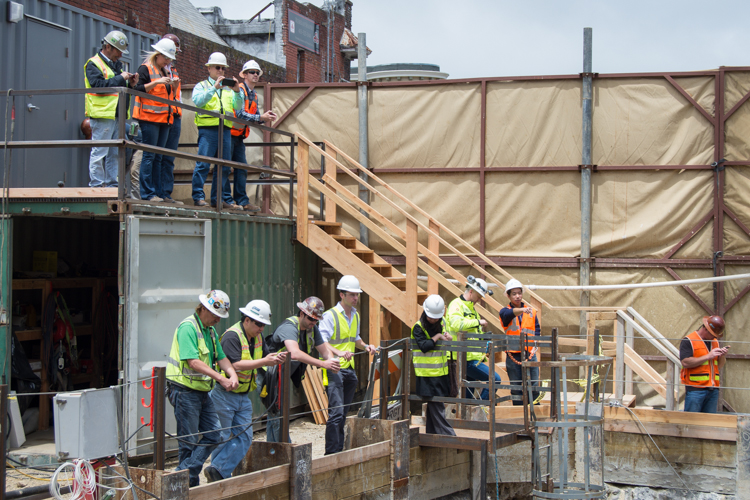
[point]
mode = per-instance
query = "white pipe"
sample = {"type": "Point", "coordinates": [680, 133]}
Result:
{"type": "Point", "coordinates": [641, 285]}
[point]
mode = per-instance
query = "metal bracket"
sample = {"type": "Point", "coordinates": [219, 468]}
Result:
{"type": "Point", "coordinates": [590, 260]}
{"type": "Point", "coordinates": [718, 165]}
{"type": "Point", "coordinates": [593, 168]}
{"type": "Point", "coordinates": [591, 75]}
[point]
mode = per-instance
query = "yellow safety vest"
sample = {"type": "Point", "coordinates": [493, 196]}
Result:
{"type": "Point", "coordinates": [344, 335]}
{"type": "Point", "coordinates": [432, 363]}
{"type": "Point", "coordinates": [179, 372]}
{"type": "Point", "coordinates": [246, 377]}
{"type": "Point", "coordinates": [459, 313]}
{"type": "Point", "coordinates": [310, 338]}
{"type": "Point", "coordinates": [225, 106]}
{"type": "Point", "coordinates": [100, 105]}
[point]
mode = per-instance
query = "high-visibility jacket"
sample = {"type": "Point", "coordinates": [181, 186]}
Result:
{"type": "Point", "coordinates": [462, 317]}
{"type": "Point", "coordinates": [705, 374]}
{"type": "Point", "coordinates": [100, 105]}
{"type": "Point", "coordinates": [245, 377]}
{"type": "Point", "coordinates": [526, 324]}
{"type": "Point", "coordinates": [344, 336]}
{"type": "Point", "coordinates": [251, 108]}
{"type": "Point", "coordinates": [176, 92]}
{"type": "Point", "coordinates": [178, 370]}
{"type": "Point", "coordinates": [225, 105]}
{"type": "Point", "coordinates": [153, 111]}
{"type": "Point", "coordinates": [432, 363]}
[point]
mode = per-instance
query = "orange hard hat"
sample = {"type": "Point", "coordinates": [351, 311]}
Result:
{"type": "Point", "coordinates": [714, 324]}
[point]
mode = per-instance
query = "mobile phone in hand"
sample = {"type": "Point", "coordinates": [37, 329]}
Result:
{"type": "Point", "coordinates": [227, 82]}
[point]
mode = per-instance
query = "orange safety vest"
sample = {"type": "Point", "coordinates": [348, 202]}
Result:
{"type": "Point", "coordinates": [251, 108]}
{"type": "Point", "coordinates": [177, 92]}
{"type": "Point", "coordinates": [152, 111]}
{"type": "Point", "coordinates": [705, 374]}
{"type": "Point", "coordinates": [527, 326]}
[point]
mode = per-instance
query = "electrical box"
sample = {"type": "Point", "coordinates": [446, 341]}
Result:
{"type": "Point", "coordinates": [86, 424]}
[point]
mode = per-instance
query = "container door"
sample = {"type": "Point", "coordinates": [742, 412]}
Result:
{"type": "Point", "coordinates": [168, 264]}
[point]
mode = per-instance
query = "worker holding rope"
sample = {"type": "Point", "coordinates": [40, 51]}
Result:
{"type": "Point", "coordinates": [519, 318]}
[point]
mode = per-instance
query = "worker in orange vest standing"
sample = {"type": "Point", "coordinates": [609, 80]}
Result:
{"type": "Point", "coordinates": [520, 318]}
{"type": "Point", "coordinates": [702, 359]}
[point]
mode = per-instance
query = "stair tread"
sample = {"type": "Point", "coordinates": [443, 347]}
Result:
{"type": "Point", "coordinates": [396, 278]}
{"type": "Point", "coordinates": [343, 237]}
{"type": "Point", "coordinates": [326, 223]}
{"type": "Point", "coordinates": [361, 250]}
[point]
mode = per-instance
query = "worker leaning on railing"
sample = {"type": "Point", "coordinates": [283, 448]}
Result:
{"type": "Point", "coordinates": [105, 70]}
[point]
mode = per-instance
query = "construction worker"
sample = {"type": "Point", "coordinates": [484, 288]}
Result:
{"type": "Point", "coordinates": [297, 335]}
{"type": "Point", "coordinates": [430, 365]}
{"type": "Point", "coordinates": [340, 328]}
{"type": "Point", "coordinates": [105, 70]}
{"type": "Point", "coordinates": [462, 317]}
{"type": "Point", "coordinates": [518, 318]}
{"type": "Point", "coordinates": [173, 139]}
{"type": "Point", "coordinates": [251, 73]}
{"type": "Point", "coordinates": [192, 368]}
{"type": "Point", "coordinates": [220, 95]}
{"type": "Point", "coordinates": [702, 358]}
{"type": "Point", "coordinates": [154, 118]}
{"type": "Point", "coordinates": [243, 345]}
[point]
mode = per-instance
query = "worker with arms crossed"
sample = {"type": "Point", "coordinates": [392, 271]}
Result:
{"type": "Point", "coordinates": [243, 345]}
{"type": "Point", "coordinates": [340, 328]}
{"type": "Point", "coordinates": [702, 359]}
{"type": "Point", "coordinates": [519, 318]}
{"type": "Point", "coordinates": [191, 374]}
{"type": "Point", "coordinates": [297, 335]}
{"type": "Point", "coordinates": [462, 317]}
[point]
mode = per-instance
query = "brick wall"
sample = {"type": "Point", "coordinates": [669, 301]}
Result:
{"type": "Point", "coordinates": [313, 66]}
{"type": "Point", "coordinates": [150, 16]}
{"type": "Point", "coordinates": [195, 51]}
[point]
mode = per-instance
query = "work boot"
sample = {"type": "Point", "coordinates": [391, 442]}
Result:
{"type": "Point", "coordinates": [251, 208]}
{"type": "Point", "coordinates": [212, 474]}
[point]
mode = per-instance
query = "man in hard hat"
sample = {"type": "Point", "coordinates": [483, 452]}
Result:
{"type": "Point", "coordinates": [220, 95]}
{"type": "Point", "coordinates": [462, 317]}
{"type": "Point", "coordinates": [519, 318]}
{"type": "Point", "coordinates": [196, 361]}
{"type": "Point", "coordinates": [297, 335]}
{"type": "Point", "coordinates": [251, 73]}
{"type": "Point", "coordinates": [173, 139]}
{"type": "Point", "coordinates": [105, 70]}
{"type": "Point", "coordinates": [340, 328]}
{"type": "Point", "coordinates": [243, 345]}
{"type": "Point", "coordinates": [702, 359]}
{"type": "Point", "coordinates": [431, 365]}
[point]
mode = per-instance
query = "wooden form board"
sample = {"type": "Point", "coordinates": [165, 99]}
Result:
{"type": "Point", "coordinates": [316, 394]}
{"type": "Point", "coordinates": [33, 193]}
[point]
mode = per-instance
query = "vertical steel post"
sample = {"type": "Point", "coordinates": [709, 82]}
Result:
{"type": "Point", "coordinates": [219, 169]}
{"type": "Point", "coordinates": [364, 194]}
{"type": "Point", "coordinates": [287, 379]}
{"type": "Point", "coordinates": [597, 341]}
{"type": "Point", "coordinates": [159, 416]}
{"type": "Point", "coordinates": [122, 111]}
{"type": "Point", "coordinates": [585, 270]}
{"type": "Point", "coordinates": [405, 380]}
{"type": "Point", "coordinates": [4, 429]}
{"type": "Point", "coordinates": [554, 388]}
{"type": "Point", "coordinates": [291, 179]}
{"type": "Point", "coordinates": [384, 375]}
{"type": "Point", "coordinates": [493, 395]}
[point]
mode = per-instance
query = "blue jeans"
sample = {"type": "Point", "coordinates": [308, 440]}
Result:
{"type": "Point", "coordinates": [478, 371]}
{"type": "Point", "coordinates": [233, 410]}
{"type": "Point", "coordinates": [195, 414]}
{"type": "Point", "coordinates": [167, 162]}
{"type": "Point", "coordinates": [702, 400]}
{"type": "Point", "coordinates": [515, 373]}
{"type": "Point", "coordinates": [240, 176]}
{"type": "Point", "coordinates": [154, 134]}
{"type": "Point", "coordinates": [103, 162]}
{"type": "Point", "coordinates": [208, 145]}
{"type": "Point", "coordinates": [273, 427]}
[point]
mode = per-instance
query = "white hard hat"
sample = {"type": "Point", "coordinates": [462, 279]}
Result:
{"type": "Point", "coordinates": [166, 47]}
{"type": "Point", "coordinates": [511, 284]}
{"type": "Point", "coordinates": [217, 302]}
{"type": "Point", "coordinates": [349, 283]}
{"type": "Point", "coordinates": [217, 59]}
{"type": "Point", "coordinates": [118, 40]}
{"type": "Point", "coordinates": [478, 284]}
{"type": "Point", "coordinates": [434, 306]}
{"type": "Point", "coordinates": [252, 65]}
{"type": "Point", "coordinates": [258, 310]}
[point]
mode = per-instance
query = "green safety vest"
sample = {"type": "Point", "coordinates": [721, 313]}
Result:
{"type": "Point", "coordinates": [245, 377]}
{"type": "Point", "coordinates": [429, 364]}
{"type": "Point", "coordinates": [225, 106]}
{"type": "Point", "coordinates": [344, 335]}
{"type": "Point", "coordinates": [459, 312]}
{"type": "Point", "coordinates": [179, 372]}
{"type": "Point", "coordinates": [101, 105]}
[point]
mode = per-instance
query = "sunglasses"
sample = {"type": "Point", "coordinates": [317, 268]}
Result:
{"type": "Point", "coordinates": [258, 323]}
{"type": "Point", "coordinates": [253, 72]}
{"type": "Point", "coordinates": [310, 318]}
{"type": "Point", "coordinates": [219, 68]}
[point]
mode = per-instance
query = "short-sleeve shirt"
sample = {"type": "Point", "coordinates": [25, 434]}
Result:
{"type": "Point", "coordinates": [287, 331]}
{"type": "Point", "coordinates": [187, 339]}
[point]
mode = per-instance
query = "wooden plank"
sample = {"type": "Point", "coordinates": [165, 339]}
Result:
{"type": "Point", "coordinates": [677, 430]}
{"type": "Point", "coordinates": [351, 457]}
{"type": "Point", "coordinates": [722, 420]}
{"type": "Point", "coordinates": [742, 457]}
{"type": "Point", "coordinates": [399, 451]}
{"type": "Point", "coordinates": [590, 334]}
{"type": "Point", "coordinates": [644, 370]}
{"type": "Point", "coordinates": [300, 472]}
{"type": "Point", "coordinates": [366, 480]}
{"type": "Point", "coordinates": [567, 341]}
{"type": "Point", "coordinates": [241, 484]}
{"type": "Point", "coordinates": [27, 193]}
{"type": "Point", "coordinates": [619, 381]}
{"type": "Point", "coordinates": [319, 391]}
{"type": "Point", "coordinates": [433, 287]}
{"type": "Point", "coordinates": [175, 485]}
{"type": "Point", "coordinates": [605, 315]}
{"type": "Point", "coordinates": [303, 158]}
{"type": "Point", "coordinates": [412, 266]}
{"type": "Point", "coordinates": [263, 455]}
{"type": "Point", "coordinates": [682, 450]}
{"type": "Point", "coordinates": [330, 205]}
{"type": "Point", "coordinates": [312, 398]}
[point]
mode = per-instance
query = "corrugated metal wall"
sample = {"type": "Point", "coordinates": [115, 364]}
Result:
{"type": "Point", "coordinates": [19, 54]}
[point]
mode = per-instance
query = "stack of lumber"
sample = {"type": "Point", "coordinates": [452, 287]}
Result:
{"type": "Point", "coordinates": [316, 395]}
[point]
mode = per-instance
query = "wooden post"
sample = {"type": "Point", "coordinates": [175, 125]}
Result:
{"type": "Point", "coordinates": [670, 385]}
{"type": "Point", "coordinates": [330, 205]}
{"type": "Point", "coordinates": [175, 485]}
{"type": "Point", "coordinates": [412, 267]}
{"type": "Point", "coordinates": [400, 460]}
{"type": "Point", "coordinates": [620, 359]}
{"type": "Point", "coordinates": [302, 191]}
{"type": "Point", "coordinates": [628, 370]}
{"type": "Point", "coordinates": [159, 402]}
{"type": "Point", "coordinates": [478, 473]}
{"type": "Point", "coordinates": [300, 472]}
{"type": "Point", "coordinates": [743, 457]}
{"type": "Point", "coordinates": [433, 245]}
